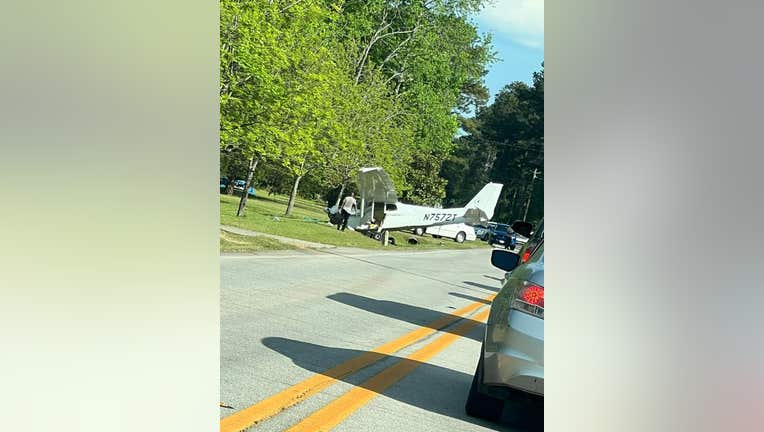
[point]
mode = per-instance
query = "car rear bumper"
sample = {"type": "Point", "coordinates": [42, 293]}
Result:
{"type": "Point", "coordinates": [514, 355]}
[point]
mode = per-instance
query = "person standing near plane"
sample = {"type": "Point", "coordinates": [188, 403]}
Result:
{"type": "Point", "coordinates": [347, 208]}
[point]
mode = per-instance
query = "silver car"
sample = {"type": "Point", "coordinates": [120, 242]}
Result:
{"type": "Point", "coordinates": [511, 364]}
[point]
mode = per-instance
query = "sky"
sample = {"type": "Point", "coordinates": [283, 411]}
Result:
{"type": "Point", "coordinates": [518, 38]}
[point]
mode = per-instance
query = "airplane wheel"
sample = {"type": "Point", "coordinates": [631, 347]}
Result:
{"type": "Point", "coordinates": [460, 236]}
{"type": "Point", "coordinates": [418, 231]}
{"type": "Point", "coordinates": [377, 236]}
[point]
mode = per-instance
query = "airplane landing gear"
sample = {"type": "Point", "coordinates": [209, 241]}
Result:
{"type": "Point", "coordinates": [383, 237]}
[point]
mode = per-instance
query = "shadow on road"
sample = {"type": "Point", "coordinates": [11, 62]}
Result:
{"type": "Point", "coordinates": [433, 388]}
{"type": "Point", "coordinates": [485, 287]}
{"type": "Point", "coordinates": [400, 311]}
{"type": "Point", "coordinates": [492, 277]}
{"type": "Point", "coordinates": [470, 298]}
{"type": "Point", "coordinates": [376, 264]}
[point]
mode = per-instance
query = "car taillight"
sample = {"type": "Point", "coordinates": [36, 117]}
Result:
{"type": "Point", "coordinates": [529, 298]}
{"type": "Point", "coordinates": [527, 254]}
{"type": "Point", "coordinates": [532, 294]}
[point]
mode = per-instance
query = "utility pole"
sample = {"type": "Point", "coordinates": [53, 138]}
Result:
{"type": "Point", "coordinates": [530, 195]}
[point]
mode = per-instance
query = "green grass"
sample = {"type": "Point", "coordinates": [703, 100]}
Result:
{"type": "Point", "coordinates": [230, 242]}
{"type": "Point", "coordinates": [309, 222]}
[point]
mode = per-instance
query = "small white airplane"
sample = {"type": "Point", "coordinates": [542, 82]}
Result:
{"type": "Point", "coordinates": [379, 209]}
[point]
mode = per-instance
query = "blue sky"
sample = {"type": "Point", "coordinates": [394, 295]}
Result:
{"type": "Point", "coordinates": [518, 38]}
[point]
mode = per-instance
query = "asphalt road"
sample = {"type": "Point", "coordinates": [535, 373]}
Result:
{"type": "Point", "coordinates": [353, 341]}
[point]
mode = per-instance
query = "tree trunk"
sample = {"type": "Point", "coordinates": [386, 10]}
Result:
{"type": "Point", "coordinates": [374, 38]}
{"type": "Point", "coordinates": [512, 206]}
{"type": "Point", "coordinates": [339, 197]}
{"type": "Point", "coordinates": [292, 197]}
{"type": "Point", "coordinates": [229, 187]}
{"type": "Point", "coordinates": [245, 193]}
{"type": "Point", "coordinates": [530, 195]}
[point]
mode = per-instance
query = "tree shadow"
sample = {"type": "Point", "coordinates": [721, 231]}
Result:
{"type": "Point", "coordinates": [492, 277]}
{"type": "Point", "coordinates": [479, 285]}
{"type": "Point", "coordinates": [376, 264]}
{"type": "Point", "coordinates": [470, 298]}
{"type": "Point", "coordinates": [400, 311]}
{"type": "Point", "coordinates": [430, 387]}
{"type": "Point", "coordinates": [285, 200]}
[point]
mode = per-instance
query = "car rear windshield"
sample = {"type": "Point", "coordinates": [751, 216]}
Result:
{"type": "Point", "coordinates": [539, 234]}
{"type": "Point", "coordinates": [538, 254]}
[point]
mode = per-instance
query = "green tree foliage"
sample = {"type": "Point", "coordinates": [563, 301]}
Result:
{"type": "Point", "coordinates": [433, 61]}
{"type": "Point", "coordinates": [315, 89]}
{"type": "Point", "coordinates": [505, 144]}
{"type": "Point", "coordinates": [276, 73]}
{"type": "Point", "coordinates": [252, 82]}
{"type": "Point", "coordinates": [366, 132]}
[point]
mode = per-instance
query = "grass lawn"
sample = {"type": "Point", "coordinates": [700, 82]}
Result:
{"type": "Point", "coordinates": [309, 222]}
{"type": "Point", "coordinates": [230, 242]}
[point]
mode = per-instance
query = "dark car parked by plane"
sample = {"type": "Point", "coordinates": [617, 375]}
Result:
{"type": "Point", "coordinates": [502, 235]}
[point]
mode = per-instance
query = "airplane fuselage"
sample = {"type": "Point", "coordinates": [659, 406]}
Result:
{"type": "Point", "coordinates": [380, 210]}
{"type": "Point", "coordinates": [401, 215]}
{"type": "Point", "coordinates": [410, 216]}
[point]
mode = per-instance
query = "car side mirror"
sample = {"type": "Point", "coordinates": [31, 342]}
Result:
{"type": "Point", "coordinates": [504, 260]}
{"type": "Point", "coordinates": [523, 228]}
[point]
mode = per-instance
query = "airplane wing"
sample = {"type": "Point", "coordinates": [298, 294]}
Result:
{"type": "Point", "coordinates": [375, 186]}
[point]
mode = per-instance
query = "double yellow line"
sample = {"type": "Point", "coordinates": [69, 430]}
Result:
{"type": "Point", "coordinates": [334, 413]}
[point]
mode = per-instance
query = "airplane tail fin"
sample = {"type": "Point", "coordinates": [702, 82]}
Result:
{"type": "Point", "coordinates": [483, 204]}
